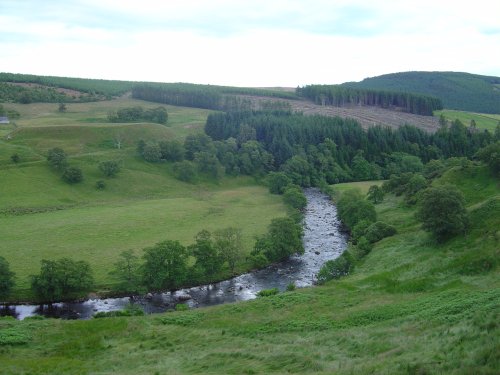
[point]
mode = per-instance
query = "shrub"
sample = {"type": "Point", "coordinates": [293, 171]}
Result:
{"type": "Point", "coordinates": [57, 158]}
{"type": "Point", "coordinates": [72, 175]}
{"type": "Point", "coordinates": [15, 158]}
{"type": "Point", "coordinates": [379, 230]}
{"type": "Point", "coordinates": [109, 168]}
{"type": "Point", "coordinates": [278, 181]}
{"type": "Point", "coordinates": [335, 269]}
{"type": "Point", "coordinates": [181, 307]}
{"type": "Point", "coordinates": [258, 260]}
{"type": "Point", "coordinates": [100, 185]}
{"type": "Point", "coordinates": [359, 230]}
{"type": "Point", "coordinates": [352, 208]}
{"type": "Point", "coordinates": [364, 246]}
{"type": "Point", "coordinates": [268, 292]}
{"type": "Point", "coordinates": [184, 171]}
{"type": "Point", "coordinates": [294, 197]}
{"type": "Point", "coordinates": [291, 287]}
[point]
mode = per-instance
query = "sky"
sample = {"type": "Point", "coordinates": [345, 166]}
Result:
{"type": "Point", "coordinates": [255, 43]}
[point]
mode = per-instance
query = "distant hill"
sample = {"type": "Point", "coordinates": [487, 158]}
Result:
{"type": "Point", "coordinates": [462, 91]}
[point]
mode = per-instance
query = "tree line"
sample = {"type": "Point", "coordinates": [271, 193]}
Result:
{"type": "Point", "coordinates": [137, 113]}
{"type": "Point", "coordinates": [337, 95]}
{"type": "Point", "coordinates": [311, 149]}
{"type": "Point", "coordinates": [203, 96]}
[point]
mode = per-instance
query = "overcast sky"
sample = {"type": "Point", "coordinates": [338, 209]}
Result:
{"type": "Point", "coordinates": [248, 42]}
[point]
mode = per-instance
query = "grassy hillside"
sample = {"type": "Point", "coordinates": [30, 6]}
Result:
{"type": "Point", "coordinates": [460, 91]}
{"type": "Point", "coordinates": [42, 217]}
{"type": "Point", "coordinates": [483, 120]}
{"type": "Point", "coordinates": [410, 307]}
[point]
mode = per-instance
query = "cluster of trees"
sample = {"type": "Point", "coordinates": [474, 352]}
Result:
{"type": "Point", "coordinates": [338, 95]}
{"type": "Point", "coordinates": [311, 149]}
{"type": "Point", "coordinates": [203, 96]}
{"type": "Point", "coordinates": [26, 95]}
{"type": "Point", "coordinates": [463, 91]}
{"type": "Point", "coordinates": [58, 160]}
{"type": "Point", "coordinates": [134, 114]}
{"type": "Point", "coordinates": [198, 154]}
{"type": "Point", "coordinates": [95, 89]}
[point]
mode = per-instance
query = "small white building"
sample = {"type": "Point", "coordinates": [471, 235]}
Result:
{"type": "Point", "coordinates": [4, 120]}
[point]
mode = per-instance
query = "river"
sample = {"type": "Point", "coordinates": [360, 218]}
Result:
{"type": "Point", "coordinates": [323, 240]}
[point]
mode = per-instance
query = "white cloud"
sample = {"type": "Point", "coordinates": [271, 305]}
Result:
{"type": "Point", "coordinates": [257, 43]}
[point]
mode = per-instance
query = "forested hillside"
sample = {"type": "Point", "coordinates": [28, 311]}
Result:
{"type": "Point", "coordinates": [337, 95]}
{"type": "Point", "coordinates": [463, 91]}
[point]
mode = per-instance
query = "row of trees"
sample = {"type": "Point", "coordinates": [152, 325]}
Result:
{"type": "Point", "coordinates": [338, 95]}
{"type": "Point", "coordinates": [134, 114]}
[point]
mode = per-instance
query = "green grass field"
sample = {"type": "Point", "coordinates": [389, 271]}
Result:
{"type": "Point", "coordinates": [410, 307]}
{"type": "Point", "coordinates": [483, 120]}
{"type": "Point", "coordinates": [42, 217]}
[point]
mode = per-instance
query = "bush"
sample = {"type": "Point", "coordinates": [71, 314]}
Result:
{"type": "Point", "coordinates": [185, 171]}
{"type": "Point", "coordinates": [442, 212]}
{"type": "Point", "coordinates": [268, 292]}
{"type": "Point", "coordinates": [258, 260]}
{"type": "Point", "coordinates": [100, 185]}
{"type": "Point", "coordinates": [109, 168]}
{"type": "Point", "coordinates": [364, 246]}
{"type": "Point", "coordinates": [359, 230]}
{"type": "Point", "coordinates": [57, 158]}
{"type": "Point", "coordinates": [352, 208]}
{"type": "Point", "coordinates": [72, 175]}
{"type": "Point", "coordinates": [379, 230]}
{"type": "Point", "coordinates": [278, 181]}
{"type": "Point", "coordinates": [335, 269]}
{"type": "Point", "coordinates": [295, 198]}
{"type": "Point", "coordinates": [291, 287]}
{"type": "Point", "coordinates": [15, 158]}
{"type": "Point", "coordinates": [181, 307]}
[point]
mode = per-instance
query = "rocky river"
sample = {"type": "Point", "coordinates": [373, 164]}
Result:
{"type": "Point", "coordinates": [323, 240]}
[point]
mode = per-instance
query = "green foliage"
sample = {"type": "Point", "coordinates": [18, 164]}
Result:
{"type": "Point", "coordinates": [127, 271]}
{"type": "Point", "coordinates": [375, 194]}
{"type": "Point", "coordinates": [72, 175]}
{"type": "Point", "coordinates": [364, 246]}
{"type": "Point", "coordinates": [15, 158]}
{"type": "Point", "coordinates": [62, 108]}
{"type": "Point", "coordinates": [379, 230]}
{"type": "Point", "coordinates": [341, 95]}
{"type": "Point", "coordinates": [295, 198]}
{"type": "Point", "coordinates": [6, 278]}
{"type": "Point", "coordinates": [209, 257]}
{"type": "Point", "coordinates": [202, 96]}
{"type": "Point", "coordinates": [185, 171]}
{"type": "Point", "coordinates": [491, 156]}
{"type": "Point", "coordinates": [268, 292]}
{"type": "Point", "coordinates": [181, 307]}
{"type": "Point", "coordinates": [14, 336]}
{"type": "Point", "coordinates": [291, 287]}
{"type": "Point", "coordinates": [283, 239]}
{"type": "Point", "coordinates": [100, 185]}
{"type": "Point", "coordinates": [57, 158]}
{"type": "Point", "coordinates": [61, 279]}
{"type": "Point", "coordinates": [165, 266]}
{"type": "Point", "coordinates": [464, 91]}
{"type": "Point", "coordinates": [352, 208]}
{"type": "Point", "coordinates": [335, 269]}
{"type": "Point", "coordinates": [172, 150]}
{"type": "Point", "coordinates": [278, 181]}
{"type": "Point", "coordinates": [109, 168]}
{"type": "Point", "coordinates": [137, 113]}
{"type": "Point", "coordinates": [433, 169]}
{"type": "Point", "coordinates": [151, 152]}
{"type": "Point", "coordinates": [228, 244]}
{"type": "Point", "coordinates": [442, 212]}
{"type": "Point", "coordinates": [258, 260]}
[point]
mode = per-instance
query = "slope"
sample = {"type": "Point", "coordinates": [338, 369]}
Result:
{"type": "Point", "coordinates": [461, 91]}
{"type": "Point", "coordinates": [410, 307]}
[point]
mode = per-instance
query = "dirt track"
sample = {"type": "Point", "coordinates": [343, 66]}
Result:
{"type": "Point", "coordinates": [365, 115]}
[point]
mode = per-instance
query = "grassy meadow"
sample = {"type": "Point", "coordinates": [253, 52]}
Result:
{"type": "Point", "coordinates": [411, 306]}
{"type": "Point", "coordinates": [483, 120]}
{"type": "Point", "coordinates": [42, 217]}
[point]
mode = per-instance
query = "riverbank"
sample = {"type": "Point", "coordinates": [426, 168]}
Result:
{"type": "Point", "coordinates": [323, 240]}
